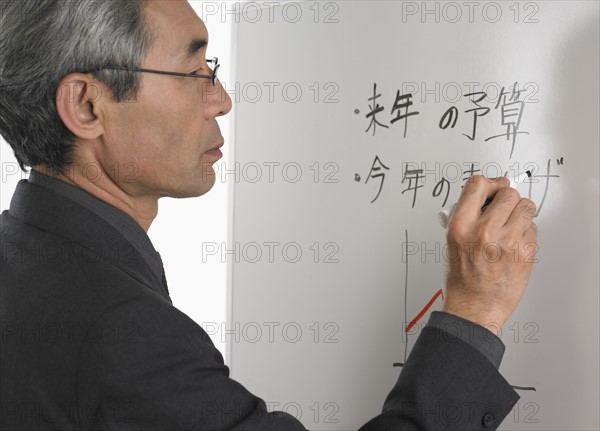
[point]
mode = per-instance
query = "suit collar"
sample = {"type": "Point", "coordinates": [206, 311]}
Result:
{"type": "Point", "coordinates": [56, 213]}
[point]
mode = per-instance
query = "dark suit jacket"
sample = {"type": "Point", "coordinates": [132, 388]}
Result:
{"type": "Point", "coordinates": [91, 342]}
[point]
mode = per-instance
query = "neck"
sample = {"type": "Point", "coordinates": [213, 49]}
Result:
{"type": "Point", "coordinates": [142, 208]}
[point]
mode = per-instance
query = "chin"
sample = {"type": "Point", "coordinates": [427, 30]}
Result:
{"type": "Point", "coordinates": [204, 185]}
{"type": "Point", "coordinates": [191, 188]}
{"type": "Point", "coordinates": [196, 182]}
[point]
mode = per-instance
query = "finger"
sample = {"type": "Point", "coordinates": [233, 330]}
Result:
{"type": "Point", "coordinates": [475, 192]}
{"type": "Point", "coordinates": [498, 212]}
{"type": "Point", "coordinates": [521, 218]}
{"type": "Point", "coordinates": [531, 234]}
{"type": "Point", "coordinates": [530, 244]}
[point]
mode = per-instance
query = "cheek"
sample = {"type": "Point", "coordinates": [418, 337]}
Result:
{"type": "Point", "coordinates": [164, 101]}
{"type": "Point", "coordinates": [182, 125]}
{"type": "Point", "coordinates": [165, 125]}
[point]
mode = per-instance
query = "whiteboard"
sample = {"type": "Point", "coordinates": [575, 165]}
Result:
{"type": "Point", "coordinates": [328, 266]}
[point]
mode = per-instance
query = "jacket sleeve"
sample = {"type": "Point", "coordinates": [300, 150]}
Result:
{"type": "Point", "coordinates": [148, 366]}
{"type": "Point", "coordinates": [445, 384]}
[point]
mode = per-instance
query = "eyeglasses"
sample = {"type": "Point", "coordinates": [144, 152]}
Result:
{"type": "Point", "coordinates": [213, 77]}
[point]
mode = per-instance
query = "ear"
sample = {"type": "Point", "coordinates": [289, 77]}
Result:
{"type": "Point", "coordinates": [78, 103]}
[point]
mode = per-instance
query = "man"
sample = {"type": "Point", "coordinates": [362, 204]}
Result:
{"type": "Point", "coordinates": [90, 338]}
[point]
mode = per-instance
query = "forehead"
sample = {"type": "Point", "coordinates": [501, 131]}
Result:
{"type": "Point", "coordinates": [174, 24]}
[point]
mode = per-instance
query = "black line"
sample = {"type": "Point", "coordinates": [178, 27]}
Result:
{"type": "Point", "coordinates": [545, 190]}
{"type": "Point", "coordinates": [406, 294]}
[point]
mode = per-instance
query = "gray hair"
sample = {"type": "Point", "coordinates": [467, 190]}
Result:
{"type": "Point", "coordinates": [41, 41]}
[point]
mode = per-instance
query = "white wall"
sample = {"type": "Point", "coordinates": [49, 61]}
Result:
{"type": "Point", "coordinates": [197, 288]}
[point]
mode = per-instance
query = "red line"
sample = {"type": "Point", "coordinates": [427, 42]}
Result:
{"type": "Point", "coordinates": [424, 310]}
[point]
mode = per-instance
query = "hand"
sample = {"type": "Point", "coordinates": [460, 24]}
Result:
{"type": "Point", "coordinates": [491, 253]}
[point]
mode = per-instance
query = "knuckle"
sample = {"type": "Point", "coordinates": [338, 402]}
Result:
{"type": "Point", "coordinates": [513, 193]}
{"type": "Point", "coordinates": [475, 182]}
{"type": "Point", "coordinates": [534, 230]}
{"type": "Point", "coordinates": [529, 207]}
{"type": "Point", "coordinates": [509, 196]}
{"type": "Point", "coordinates": [456, 232]}
{"type": "Point", "coordinates": [485, 234]}
{"type": "Point", "coordinates": [526, 210]}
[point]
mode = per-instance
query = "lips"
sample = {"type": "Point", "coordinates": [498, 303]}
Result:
{"type": "Point", "coordinates": [219, 145]}
{"type": "Point", "coordinates": [215, 151]}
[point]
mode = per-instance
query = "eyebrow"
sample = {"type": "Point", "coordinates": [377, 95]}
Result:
{"type": "Point", "coordinates": [193, 47]}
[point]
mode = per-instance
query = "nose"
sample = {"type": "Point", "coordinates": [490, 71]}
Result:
{"type": "Point", "coordinates": [216, 100]}
{"type": "Point", "coordinates": [225, 100]}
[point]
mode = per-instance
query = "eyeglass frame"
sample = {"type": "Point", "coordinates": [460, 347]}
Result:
{"type": "Point", "coordinates": [213, 77]}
